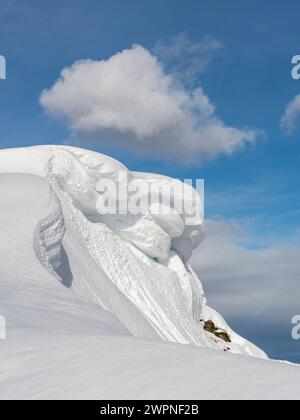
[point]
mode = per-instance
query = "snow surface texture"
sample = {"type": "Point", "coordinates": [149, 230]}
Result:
{"type": "Point", "coordinates": [89, 299]}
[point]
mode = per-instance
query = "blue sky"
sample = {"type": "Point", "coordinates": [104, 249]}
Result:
{"type": "Point", "coordinates": [247, 78]}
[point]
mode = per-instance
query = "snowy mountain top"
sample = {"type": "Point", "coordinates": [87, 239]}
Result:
{"type": "Point", "coordinates": [90, 297]}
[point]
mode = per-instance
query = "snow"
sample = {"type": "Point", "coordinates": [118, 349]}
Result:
{"type": "Point", "coordinates": [83, 366]}
{"type": "Point", "coordinates": [94, 302]}
{"type": "Point", "coordinates": [31, 296]}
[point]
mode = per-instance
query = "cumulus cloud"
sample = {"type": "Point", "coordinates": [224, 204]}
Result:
{"type": "Point", "coordinates": [291, 116]}
{"type": "Point", "coordinates": [132, 100]}
{"type": "Point", "coordinates": [257, 289]}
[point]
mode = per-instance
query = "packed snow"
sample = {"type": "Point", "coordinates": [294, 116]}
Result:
{"type": "Point", "coordinates": [94, 302]}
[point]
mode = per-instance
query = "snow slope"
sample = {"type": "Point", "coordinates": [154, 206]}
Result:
{"type": "Point", "coordinates": [31, 295]}
{"type": "Point", "coordinates": [66, 366]}
{"type": "Point", "coordinates": [90, 299]}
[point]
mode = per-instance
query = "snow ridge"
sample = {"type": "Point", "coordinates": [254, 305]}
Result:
{"type": "Point", "coordinates": [135, 267]}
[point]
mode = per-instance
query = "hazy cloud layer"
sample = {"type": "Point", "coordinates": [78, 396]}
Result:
{"type": "Point", "coordinates": [291, 116]}
{"type": "Point", "coordinates": [132, 95]}
{"type": "Point", "coordinates": [256, 289]}
{"type": "Point", "coordinates": [187, 59]}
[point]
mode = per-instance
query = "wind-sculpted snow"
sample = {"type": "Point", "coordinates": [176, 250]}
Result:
{"type": "Point", "coordinates": [134, 266]}
{"type": "Point", "coordinates": [31, 298]}
{"type": "Point", "coordinates": [89, 298]}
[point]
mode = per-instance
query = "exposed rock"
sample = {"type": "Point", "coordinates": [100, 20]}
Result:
{"type": "Point", "coordinates": [211, 328]}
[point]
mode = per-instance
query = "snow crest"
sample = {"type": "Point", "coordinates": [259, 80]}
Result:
{"type": "Point", "coordinates": [135, 267]}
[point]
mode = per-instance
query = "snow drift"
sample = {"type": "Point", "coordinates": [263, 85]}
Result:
{"type": "Point", "coordinates": [70, 277]}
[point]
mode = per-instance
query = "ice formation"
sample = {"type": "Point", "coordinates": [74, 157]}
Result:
{"type": "Point", "coordinates": [135, 267]}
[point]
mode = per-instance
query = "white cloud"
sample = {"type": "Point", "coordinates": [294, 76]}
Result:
{"type": "Point", "coordinates": [291, 116]}
{"type": "Point", "coordinates": [257, 289]}
{"type": "Point", "coordinates": [132, 96]}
